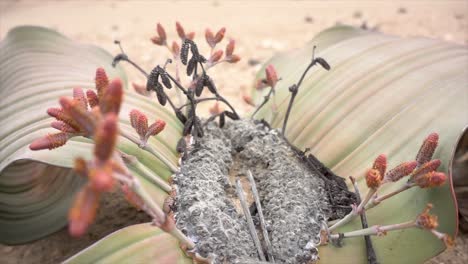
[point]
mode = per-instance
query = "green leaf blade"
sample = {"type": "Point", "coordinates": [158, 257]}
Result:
{"type": "Point", "coordinates": [383, 95]}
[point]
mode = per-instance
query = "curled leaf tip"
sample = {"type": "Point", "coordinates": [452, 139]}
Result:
{"type": "Point", "coordinates": [373, 178]}
{"type": "Point", "coordinates": [400, 171]}
{"type": "Point", "coordinates": [50, 141]}
{"type": "Point", "coordinates": [427, 149]}
{"type": "Point", "coordinates": [106, 137]}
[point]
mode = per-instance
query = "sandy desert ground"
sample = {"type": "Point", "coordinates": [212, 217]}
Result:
{"type": "Point", "coordinates": [261, 29]}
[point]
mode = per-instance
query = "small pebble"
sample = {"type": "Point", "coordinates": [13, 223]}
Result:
{"type": "Point", "coordinates": [253, 62]}
{"type": "Point", "coordinates": [7, 249]}
{"type": "Point", "coordinates": [309, 19]}
{"type": "Point", "coordinates": [459, 16]}
{"type": "Point", "coordinates": [357, 14]}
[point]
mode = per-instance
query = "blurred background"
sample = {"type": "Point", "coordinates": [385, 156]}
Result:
{"type": "Point", "coordinates": [260, 28]}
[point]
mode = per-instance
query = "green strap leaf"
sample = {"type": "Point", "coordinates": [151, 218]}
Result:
{"type": "Point", "coordinates": [141, 243]}
{"type": "Point", "coordinates": [36, 187]}
{"type": "Point", "coordinates": [383, 95]}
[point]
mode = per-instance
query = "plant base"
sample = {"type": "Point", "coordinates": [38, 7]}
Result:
{"type": "Point", "coordinates": [294, 190]}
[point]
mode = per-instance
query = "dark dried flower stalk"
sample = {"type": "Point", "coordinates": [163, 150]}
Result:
{"type": "Point", "coordinates": [294, 89]}
{"type": "Point", "coordinates": [199, 81]}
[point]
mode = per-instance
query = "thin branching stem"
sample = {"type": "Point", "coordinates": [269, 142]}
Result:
{"type": "Point", "coordinates": [158, 212]}
{"type": "Point", "coordinates": [355, 212]}
{"type": "Point", "coordinates": [343, 220]}
{"type": "Point", "coordinates": [178, 85]}
{"type": "Point", "coordinates": [177, 71]}
{"type": "Point", "coordinates": [211, 118]}
{"type": "Point", "coordinates": [174, 108]}
{"type": "Point", "coordinates": [366, 199]}
{"type": "Point", "coordinates": [136, 66]}
{"type": "Point", "coordinates": [193, 105]}
{"type": "Point", "coordinates": [220, 97]}
{"type": "Point", "coordinates": [375, 230]}
{"type": "Point", "coordinates": [198, 101]}
{"type": "Point", "coordinates": [175, 232]}
{"type": "Point", "coordinates": [371, 256]}
{"type": "Point", "coordinates": [295, 89]}
{"type": "Point", "coordinates": [189, 95]}
{"type": "Point", "coordinates": [253, 186]}
{"type": "Point", "coordinates": [149, 149]}
{"type": "Point", "coordinates": [153, 209]}
{"type": "Point", "coordinates": [124, 57]}
{"type": "Point", "coordinates": [377, 200]}
{"type": "Point", "coordinates": [265, 100]}
{"type": "Point", "coordinates": [369, 202]}
{"type": "Point", "coordinates": [133, 162]}
{"type": "Point", "coordinates": [245, 208]}
{"type": "Point", "coordinates": [127, 59]}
